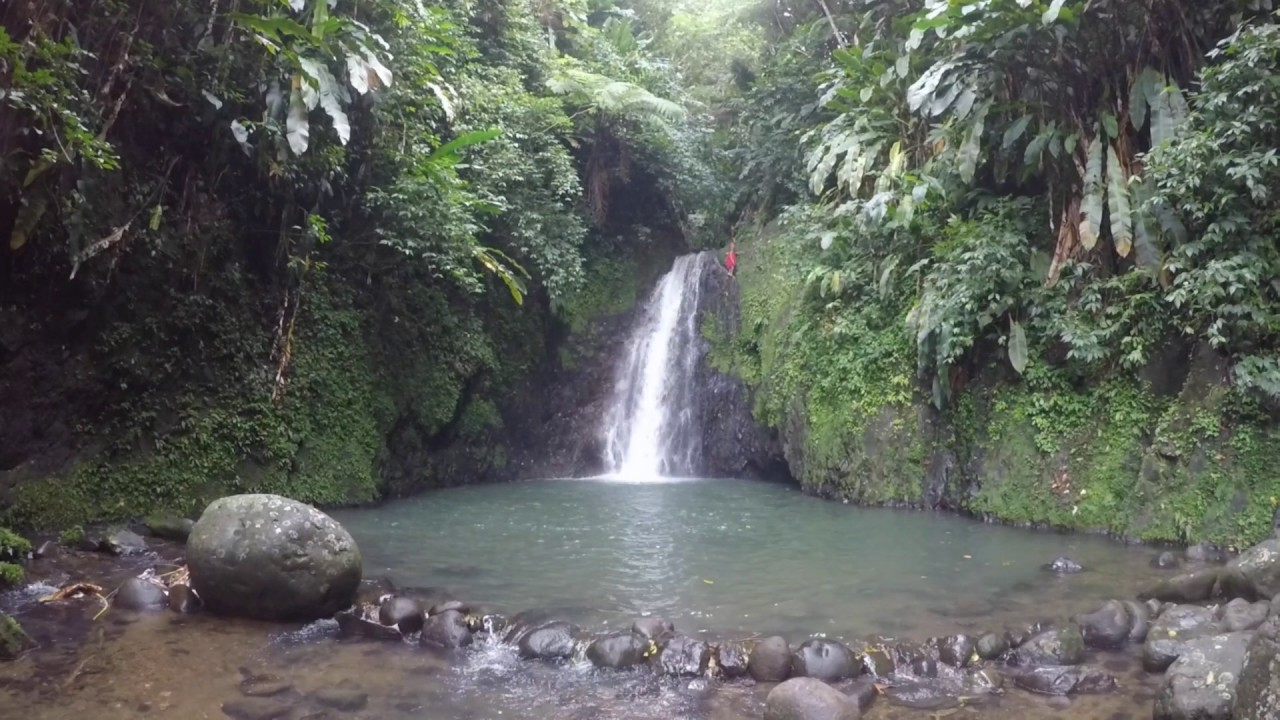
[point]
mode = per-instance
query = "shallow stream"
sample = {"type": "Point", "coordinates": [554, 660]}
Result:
{"type": "Point", "coordinates": [722, 559]}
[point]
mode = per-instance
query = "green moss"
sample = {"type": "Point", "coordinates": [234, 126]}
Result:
{"type": "Point", "coordinates": [11, 575]}
{"type": "Point", "coordinates": [611, 287]}
{"type": "Point", "coordinates": [13, 546]}
{"type": "Point", "coordinates": [72, 537]}
{"type": "Point", "coordinates": [13, 640]}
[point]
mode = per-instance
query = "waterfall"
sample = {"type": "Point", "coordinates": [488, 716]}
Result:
{"type": "Point", "coordinates": [651, 427]}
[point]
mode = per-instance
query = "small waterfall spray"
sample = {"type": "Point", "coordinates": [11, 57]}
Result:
{"type": "Point", "coordinates": [650, 428]}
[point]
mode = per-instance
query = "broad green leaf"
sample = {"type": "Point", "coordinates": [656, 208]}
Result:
{"type": "Point", "coordinates": [1035, 148]}
{"type": "Point", "coordinates": [903, 65]}
{"type": "Point", "coordinates": [923, 88]}
{"type": "Point", "coordinates": [1015, 131]}
{"type": "Point", "coordinates": [971, 149]}
{"type": "Point", "coordinates": [1091, 206]}
{"type": "Point", "coordinates": [1051, 15]}
{"type": "Point", "coordinates": [327, 94]}
{"type": "Point", "coordinates": [1145, 237]}
{"type": "Point", "coordinates": [965, 104]}
{"type": "Point", "coordinates": [156, 213]}
{"type": "Point", "coordinates": [1118, 204]}
{"type": "Point", "coordinates": [866, 94]}
{"type": "Point", "coordinates": [358, 73]}
{"type": "Point", "coordinates": [1017, 346]}
{"type": "Point", "coordinates": [240, 132]}
{"type": "Point", "coordinates": [297, 125]}
{"type": "Point", "coordinates": [466, 140]}
{"type": "Point", "coordinates": [276, 28]}
{"type": "Point", "coordinates": [1110, 125]}
{"type": "Point", "coordinates": [1168, 110]}
{"type": "Point", "coordinates": [1139, 94]}
{"type": "Point", "coordinates": [29, 215]}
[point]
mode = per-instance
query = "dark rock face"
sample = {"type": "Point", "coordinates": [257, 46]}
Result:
{"type": "Point", "coordinates": [733, 443]}
{"type": "Point", "coordinates": [553, 641]}
{"type": "Point", "coordinates": [823, 660]}
{"type": "Point", "coordinates": [1078, 679]}
{"type": "Point", "coordinates": [271, 558]}
{"type": "Point", "coordinates": [1064, 566]}
{"type": "Point", "coordinates": [447, 630]}
{"type": "Point", "coordinates": [1258, 692]}
{"type": "Point", "coordinates": [684, 656]}
{"type": "Point", "coordinates": [617, 651]}
{"type": "Point", "coordinates": [809, 699]}
{"type": "Point", "coordinates": [1240, 614]}
{"type": "Point", "coordinates": [1171, 632]}
{"type": "Point", "coordinates": [732, 658]}
{"type": "Point", "coordinates": [405, 613]}
{"type": "Point", "coordinates": [1201, 684]}
{"type": "Point", "coordinates": [1196, 586]}
{"type": "Point", "coordinates": [1053, 647]}
{"type": "Point", "coordinates": [138, 594]}
{"type": "Point", "coordinates": [770, 660]}
{"type": "Point", "coordinates": [1107, 627]}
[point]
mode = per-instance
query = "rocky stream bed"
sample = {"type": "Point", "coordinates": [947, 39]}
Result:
{"type": "Point", "coordinates": [119, 626]}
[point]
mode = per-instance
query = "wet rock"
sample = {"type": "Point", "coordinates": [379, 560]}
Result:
{"type": "Point", "coordinates": [1052, 647]}
{"type": "Point", "coordinates": [264, 687]}
{"type": "Point", "coordinates": [1240, 614]}
{"type": "Point", "coordinates": [862, 692]}
{"type": "Point", "coordinates": [493, 624]}
{"type": "Point", "coordinates": [182, 599]}
{"type": "Point", "coordinates": [1255, 575]}
{"type": "Point", "coordinates": [123, 542]}
{"type": "Point", "coordinates": [617, 651]}
{"type": "Point", "coordinates": [1195, 586]}
{"type": "Point", "coordinates": [446, 630]}
{"type": "Point", "coordinates": [526, 621]}
{"type": "Point", "coordinates": [770, 660]}
{"type": "Point", "coordinates": [1258, 691]}
{"type": "Point", "coordinates": [922, 695]}
{"type": "Point", "coordinates": [1019, 634]}
{"type": "Point", "coordinates": [1166, 560]}
{"type": "Point", "coordinates": [1204, 552]}
{"type": "Point", "coordinates": [809, 699]}
{"type": "Point", "coordinates": [653, 628]}
{"type": "Point", "coordinates": [139, 594]}
{"type": "Point", "coordinates": [684, 656]}
{"type": "Point", "coordinates": [405, 613]}
{"type": "Point", "coordinates": [1073, 680]}
{"type": "Point", "coordinates": [982, 680]}
{"type": "Point", "coordinates": [992, 646]}
{"type": "Point", "coordinates": [13, 640]}
{"type": "Point", "coordinates": [271, 558]}
{"type": "Point", "coordinates": [341, 699]}
{"type": "Point", "coordinates": [552, 641]}
{"type": "Point", "coordinates": [824, 660]}
{"type": "Point", "coordinates": [1064, 566]}
{"type": "Point", "coordinates": [447, 606]}
{"type": "Point", "coordinates": [926, 667]}
{"type": "Point", "coordinates": [878, 662]}
{"type": "Point", "coordinates": [1201, 684]}
{"type": "Point", "coordinates": [47, 549]}
{"type": "Point", "coordinates": [732, 658]}
{"type": "Point", "coordinates": [1106, 627]}
{"type": "Point", "coordinates": [1171, 632]}
{"type": "Point", "coordinates": [255, 709]}
{"type": "Point", "coordinates": [956, 650]}
{"type": "Point", "coordinates": [1139, 621]}
{"type": "Point", "coordinates": [351, 624]}
{"type": "Point", "coordinates": [170, 527]}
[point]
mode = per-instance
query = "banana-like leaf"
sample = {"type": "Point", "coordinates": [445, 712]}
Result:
{"type": "Point", "coordinates": [1118, 204]}
{"type": "Point", "coordinates": [1111, 125]}
{"type": "Point", "coordinates": [328, 93]}
{"type": "Point", "coordinates": [449, 150]}
{"type": "Point", "coordinates": [1140, 95]}
{"type": "Point", "coordinates": [1017, 346]}
{"type": "Point", "coordinates": [923, 88]}
{"type": "Point", "coordinates": [1145, 236]}
{"type": "Point", "coordinates": [1051, 15]}
{"type": "Point", "coordinates": [1014, 132]}
{"type": "Point", "coordinates": [971, 149]}
{"type": "Point", "coordinates": [1035, 148]}
{"type": "Point", "coordinates": [1168, 110]}
{"type": "Point", "coordinates": [1091, 206]}
{"type": "Point", "coordinates": [297, 125]}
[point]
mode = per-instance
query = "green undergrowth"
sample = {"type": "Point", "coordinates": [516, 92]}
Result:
{"type": "Point", "coordinates": [1097, 453]}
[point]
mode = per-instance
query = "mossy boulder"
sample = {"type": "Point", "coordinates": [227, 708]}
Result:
{"type": "Point", "coordinates": [13, 639]}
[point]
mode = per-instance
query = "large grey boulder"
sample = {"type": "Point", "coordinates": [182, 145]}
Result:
{"type": "Point", "coordinates": [1258, 692]}
{"type": "Point", "coordinates": [1053, 647]}
{"type": "Point", "coordinates": [618, 651]}
{"type": "Point", "coordinates": [1201, 684]}
{"type": "Point", "coordinates": [1106, 627]}
{"type": "Point", "coordinates": [824, 660]}
{"type": "Point", "coordinates": [1255, 574]}
{"type": "Point", "coordinates": [770, 660]}
{"type": "Point", "coordinates": [1195, 586]}
{"type": "Point", "coordinates": [809, 699]}
{"type": "Point", "coordinates": [1171, 632]}
{"type": "Point", "coordinates": [271, 558]}
{"type": "Point", "coordinates": [1065, 680]}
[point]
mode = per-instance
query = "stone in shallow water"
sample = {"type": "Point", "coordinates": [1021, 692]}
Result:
{"type": "Point", "coordinates": [1053, 647]}
{"type": "Point", "coordinates": [809, 699]}
{"type": "Point", "coordinates": [353, 625]}
{"type": "Point", "coordinates": [617, 651]}
{"type": "Point", "coordinates": [1195, 586]}
{"type": "Point", "coordinates": [447, 606]}
{"type": "Point", "coordinates": [770, 660]}
{"type": "Point", "coordinates": [1064, 566]}
{"type": "Point", "coordinates": [684, 656]}
{"type": "Point", "coordinates": [1106, 627]}
{"type": "Point", "coordinates": [1240, 614]}
{"type": "Point", "coordinates": [992, 646]}
{"type": "Point", "coordinates": [170, 527]}
{"type": "Point", "coordinates": [446, 630]}
{"type": "Point", "coordinates": [1166, 561]}
{"type": "Point", "coordinates": [264, 687]}
{"type": "Point", "coordinates": [405, 613]}
{"type": "Point", "coordinates": [341, 699]}
{"type": "Point", "coordinates": [956, 650]}
{"type": "Point", "coordinates": [1171, 632]}
{"type": "Point", "coordinates": [731, 658]}
{"type": "Point", "coordinates": [139, 594]}
{"type": "Point", "coordinates": [824, 660]}
{"type": "Point", "coordinates": [549, 642]}
{"type": "Point", "coordinates": [271, 558]}
{"type": "Point", "coordinates": [1071, 680]}
{"type": "Point", "coordinates": [182, 599]}
{"type": "Point", "coordinates": [1140, 619]}
{"type": "Point", "coordinates": [255, 709]}
{"type": "Point", "coordinates": [653, 628]}
{"type": "Point", "coordinates": [1201, 684]}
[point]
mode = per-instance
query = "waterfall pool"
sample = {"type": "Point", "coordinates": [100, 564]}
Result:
{"type": "Point", "coordinates": [722, 559]}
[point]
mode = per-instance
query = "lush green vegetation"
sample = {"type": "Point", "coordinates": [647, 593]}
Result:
{"type": "Point", "coordinates": [1059, 215]}
{"type": "Point", "coordinates": [1013, 257]}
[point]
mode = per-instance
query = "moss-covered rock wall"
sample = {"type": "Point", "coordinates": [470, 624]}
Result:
{"type": "Point", "coordinates": [1172, 453]}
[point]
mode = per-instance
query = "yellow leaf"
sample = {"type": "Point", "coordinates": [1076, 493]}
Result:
{"type": "Point", "coordinates": [709, 582]}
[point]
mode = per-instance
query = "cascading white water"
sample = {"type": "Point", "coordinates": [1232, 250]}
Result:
{"type": "Point", "coordinates": [650, 431]}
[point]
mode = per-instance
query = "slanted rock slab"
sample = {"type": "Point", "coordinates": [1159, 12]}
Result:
{"type": "Point", "coordinates": [1201, 683]}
